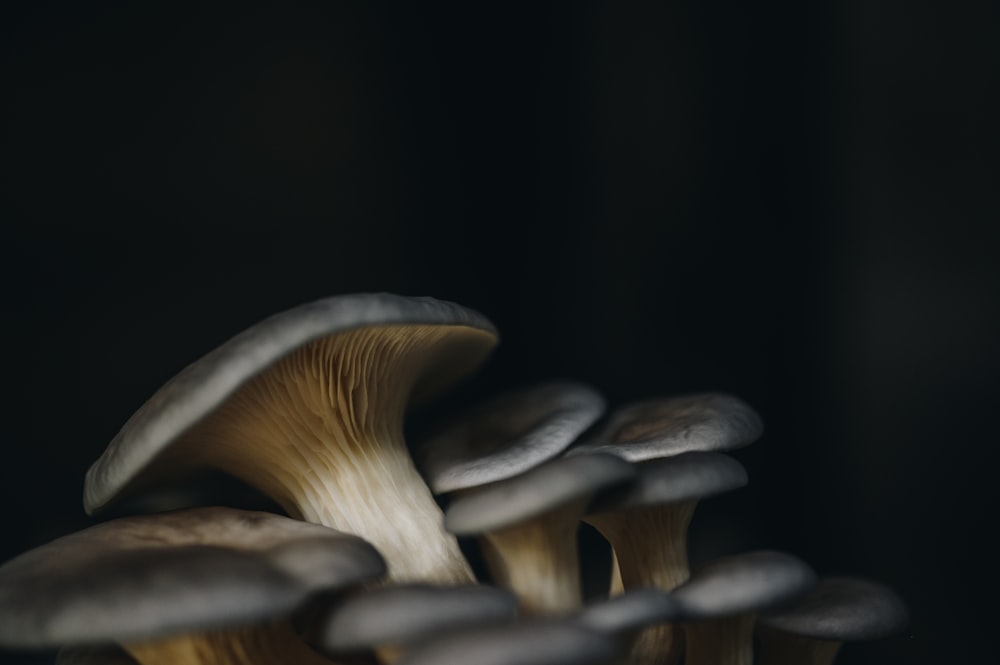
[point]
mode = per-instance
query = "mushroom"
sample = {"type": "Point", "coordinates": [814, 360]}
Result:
{"type": "Point", "coordinates": [647, 527]}
{"type": "Point", "coordinates": [527, 526]}
{"type": "Point", "coordinates": [391, 620]}
{"type": "Point", "coordinates": [811, 629]}
{"type": "Point", "coordinates": [540, 641]}
{"type": "Point", "coordinates": [205, 585]}
{"type": "Point", "coordinates": [626, 615]}
{"type": "Point", "coordinates": [308, 407]}
{"type": "Point", "coordinates": [661, 427]}
{"type": "Point", "coordinates": [719, 604]}
{"type": "Point", "coordinates": [507, 435]}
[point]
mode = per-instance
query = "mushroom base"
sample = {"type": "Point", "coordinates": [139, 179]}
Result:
{"type": "Point", "coordinates": [266, 644]}
{"type": "Point", "coordinates": [538, 560]}
{"type": "Point", "coordinates": [723, 641]}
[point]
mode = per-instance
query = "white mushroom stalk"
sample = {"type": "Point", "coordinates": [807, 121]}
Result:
{"type": "Point", "coordinates": [308, 406]}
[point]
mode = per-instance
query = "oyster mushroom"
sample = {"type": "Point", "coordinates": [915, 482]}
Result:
{"type": "Point", "coordinates": [647, 524]}
{"type": "Point", "coordinates": [308, 407]}
{"type": "Point", "coordinates": [811, 629]}
{"type": "Point", "coordinates": [507, 435]}
{"type": "Point", "coordinates": [392, 620]}
{"type": "Point", "coordinates": [628, 614]}
{"type": "Point", "coordinates": [202, 586]}
{"type": "Point", "coordinates": [527, 526]}
{"type": "Point", "coordinates": [719, 604]}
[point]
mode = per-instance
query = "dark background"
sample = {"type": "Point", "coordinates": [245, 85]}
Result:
{"type": "Point", "coordinates": [793, 202]}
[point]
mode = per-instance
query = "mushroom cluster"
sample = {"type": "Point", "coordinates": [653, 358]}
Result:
{"type": "Point", "coordinates": [364, 559]}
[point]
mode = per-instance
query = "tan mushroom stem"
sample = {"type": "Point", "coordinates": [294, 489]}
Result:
{"type": "Point", "coordinates": [781, 648]}
{"type": "Point", "coordinates": [264, 645]}
{"type": "Point", "coordinates": [538, 559]}
{"type": "Point", "coordinates": [321, 432]}
{"type": "Point", "coordinates": [723, 641]}
{"type": "Point", "coordinates": [649, 545]}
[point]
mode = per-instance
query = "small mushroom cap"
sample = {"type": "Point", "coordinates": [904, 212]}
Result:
{"type": "Point", "coordinates": [841, 609]}
{"type": "Point", "coordinates": [632, 610]}
{"type": "Point", "coordinates": [543, 488]}
{"type": "Point", "coordinates": [409, 613]}
{"type": "Point", "coordinates": [149, 576]}
{"type": "Point", "coordinates": [688, 476]}
{"type": "Point", "coordinates": [535, 642]}
{"type": "Point", "coordinates": [670, 426]}
{"type": "Point", "coordinates": [111, 654]}
{"type": "Point", "coordinates": [206, 383]}
{"type": "Point", "coordinates": [508, 435]}
{"type": "Point", "coordinates": [742, 583]}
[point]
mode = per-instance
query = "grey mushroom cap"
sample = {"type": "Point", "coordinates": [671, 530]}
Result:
{"type": "Point", "coordinates": [409, 613]}
{"type": "Point", "coordinates": [507, 435]}
{"type": "Point", "coordinates": [684, 477]}
{"type": "Point", "coordinates": [535, 642]}
{"type": "Point", "coordinates": [841, 609]}
{"type": "Point", "coordinates": [740, 583]}
{"type": "Point", "coordinates": [94, 655]}
{"type": "Point", "coordinates": [632, 610]}
{"type": "Point", "coordinates": [669, 426]}
{"type": "Point", "coordinates": [543, 488]}
{"type": "Point", "coordinates": [206, 383]}
{"type": "Point", "coordinates": [149, 576]}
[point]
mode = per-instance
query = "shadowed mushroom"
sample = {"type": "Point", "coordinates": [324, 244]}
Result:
{"type": "Point", "coordinates": [527, 526]}
{"type": "Point", "coordinates": [206, 585]}
{"type": "Point", "coordinates": [308, 407]}
{"type": "Point", "coordinates": [647, 525]}
{"type": "Point", "coordinates": [391, 620]}
{"type": "Point", "coordinates": [811, 629]}
{"type": "Point", "coordinates": [626, 615]}
{"type": "Point", "coordinates": [720, 603]}
{"type": "Point", "coordinates": [507, 435]}
{"type": "Point", "coordinates": [534, 642]}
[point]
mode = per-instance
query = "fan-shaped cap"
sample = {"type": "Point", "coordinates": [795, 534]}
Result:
{"type": "Point", "coordinates": [842, 609]}
{"type": "Point", "coordinates": [632, 610]}
{"type": "Point", "coordinates": [203, 385]}
{"type": "Point", "coordinates": [683, 477]}
{"type": "Point", "coordinates": [507, 435]}
{"type": "Point", "coordinates": [670, 426]}
{"type": "Point", "coordinates": [535, 642]}
{"type": "Point", "coordinates": [543, 488]}
{"type": "Point", "coordinates": [410, 613]}
{"type": "Point", "coordinates": [740, 583]}
{"type": "Point", "coordinates": [137, 578]}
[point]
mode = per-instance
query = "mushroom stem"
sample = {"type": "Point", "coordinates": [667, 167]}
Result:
{"type": "Point", "coordinates": [269, 643]}
{"type": "Point", "coordinates": [780, 648]}
{"type": "Point", "coordinates": [649, 545]}
{"type": "Point", "coordinates": [321, 432]}
{"type": "Point", "coordinates": [723, 641]}
{"type": "Point", "coordinates": [615, 586]}
{"type": "Point", "coordinates": [538, 559]}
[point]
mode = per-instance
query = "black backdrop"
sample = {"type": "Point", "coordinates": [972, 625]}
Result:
{"type": "Point", "coordinates": [789, 201]}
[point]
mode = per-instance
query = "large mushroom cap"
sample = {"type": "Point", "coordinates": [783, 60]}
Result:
{"type": "Point", "coordinates": [203, 386]}
{"type": "Point", "coordinates": [841, 609]}
{"type": "Point", "coordinates": [741, 583]}
{"type": "Point", "coordinates": [538, 642]}
{"type": "Point", "coordinates": [137, 578]}
{"type": "Point", "coordinates": [408, 613]}
{"type": "Point", "coordinates": [534, 492]}
{"type": "Point", "coordinates": [684, 477]}
{"type": "Point", "coordinates": [507, 435]}
{"type": "Point", "coordinates": [670, 426]}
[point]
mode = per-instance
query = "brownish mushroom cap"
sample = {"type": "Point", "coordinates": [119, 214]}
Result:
{"type": "Point", "coordinates": [308, 407]}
